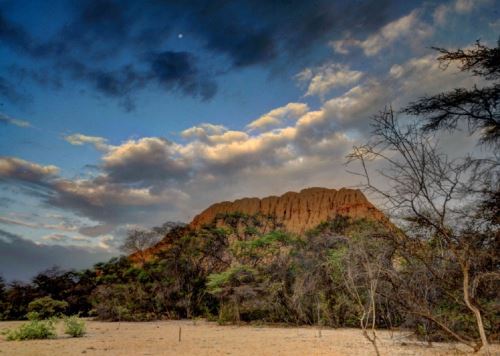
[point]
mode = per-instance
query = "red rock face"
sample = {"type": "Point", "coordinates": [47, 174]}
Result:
{"type": "Point", "coordinates": [298, 212]}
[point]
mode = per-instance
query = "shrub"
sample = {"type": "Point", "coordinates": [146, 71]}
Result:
{"type": "Point", "coordinates": [34, 329]}
{"type": "Point", "coordinates": [46, 307]}
{"type": "Point", "coordinates": [74, 326]}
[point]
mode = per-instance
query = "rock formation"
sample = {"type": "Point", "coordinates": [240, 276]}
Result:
{"type": "Point", "coordinates": [298, 212]}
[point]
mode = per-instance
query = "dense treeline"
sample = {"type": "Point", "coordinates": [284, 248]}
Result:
{"type": "Point", "coordinates": [239, 271]}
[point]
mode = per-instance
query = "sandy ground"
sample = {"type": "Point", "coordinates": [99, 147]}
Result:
{"type": "Point", "coordinates": [202, 338]}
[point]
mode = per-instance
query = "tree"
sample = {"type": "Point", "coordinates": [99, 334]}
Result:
{"type": "Point", "coordinates": [362, 277]}
{"type": "Point", "coordinates": [434, 200]}
{"type": "Point", "coordinates": [478, 107]}
{"type": "Point", "coordinates": [235, 285]}
{"type": "Point", "coordinates": [47, 307]}
{"type": "Point", "coordinates": [17, 297]}
{"type": "Point", "coordinates": [138, 241]}
{"type": "Point", "coordinates": [3, 302]}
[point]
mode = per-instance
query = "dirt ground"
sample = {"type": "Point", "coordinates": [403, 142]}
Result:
{"type": "Point", "coordinates": [203, 338]}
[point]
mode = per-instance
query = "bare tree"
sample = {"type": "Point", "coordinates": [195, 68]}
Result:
{"type": "Point", "coordinates": [138, 241]}
{"type": "Point", "coordinates": [362, 276]}
{"type": "Point", "coordinates": [433, 199]}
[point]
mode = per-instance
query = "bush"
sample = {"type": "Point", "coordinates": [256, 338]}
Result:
{"type": "Point", "coordinates": [46, 307]}
{"type": "Point", "coordinates": [34, 329]}
{"type": "Point", "coordinates": [74, 326]}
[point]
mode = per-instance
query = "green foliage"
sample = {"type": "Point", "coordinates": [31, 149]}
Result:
{"type": "Point", "coordinates": [74, 326]}
{"type": "Point", "coordinates": [47, 307]}
{"type": "Point", "coordinates": [336, 262]}
{"type": "Point", "coordinates": [263, 245]}
{"type": "Point", "coordinates": [123, 302]}
{"type": "Point", "coordinates": [34, 329]}
{"type": "Point", "coordinates": [217, 282]}
{"type": "Point", "coordinates": [337, 225]}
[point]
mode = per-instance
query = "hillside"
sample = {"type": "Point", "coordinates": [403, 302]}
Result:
{"type": "Point", "coordinates": [298, 212]}
{"type": "Point", "coordinates": [294, 212]}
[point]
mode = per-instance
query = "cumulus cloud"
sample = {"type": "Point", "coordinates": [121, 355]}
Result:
{"type": "Point", "coordinates": [99, 199]}
{"type": "Point", "coordinates": [113, 203]}
{"type": "Point", "coordinates": [213, 134]}
{"type": "Point", "coordinates": [354, 108]}
{"type": "Point", "coordinates": [78, 139]}
{"type": "Point", "coordinates": [19, 169]}
{"type": "Point", "coordinates": [203, 130]}
{"type": "Point", "coordinates": [149, 180]}
{"type": "Point", "coordinates": [327, 77]}
{"type": "Point", "coordinates": [145, 160]}
{"type": "Point", "coordinates": [277, 116]}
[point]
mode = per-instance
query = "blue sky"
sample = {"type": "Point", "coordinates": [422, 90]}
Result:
{"type": "Point", "coordinates": [116, 114]}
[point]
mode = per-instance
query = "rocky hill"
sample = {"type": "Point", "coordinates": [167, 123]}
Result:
{"type": "Point", "coordinates": [298, 212]}
{"type": "Point", "coordinates": [292, 211]}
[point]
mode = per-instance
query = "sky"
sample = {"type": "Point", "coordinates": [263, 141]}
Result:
{"type": "Point", "coordinates": [122, 114]}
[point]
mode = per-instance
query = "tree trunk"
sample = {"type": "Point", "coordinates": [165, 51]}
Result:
{"type": "Point", "coordinates": [237, 307]}
{"type": "Point", "coordinates": [475, 310]}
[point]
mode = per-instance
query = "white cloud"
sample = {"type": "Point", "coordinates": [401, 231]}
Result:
{"type": "Point", "coordinates": [145, 160]}
{"type": "Point", "coordinates": [12, 121]}
{"type": "Point", "coordinates": [213, 134]}
{"type": "Point", "coordinates": [327, 77]}
{"type": "Point", "coordinates": [408, 25]}
{"type": "Point", "coordinates": [105, 242]}
{"type": "Point", "coordinates": [36, 225]}
{"type": "Point", "coordinates": [148, 180]}
{"type": "Point", "coordinates": [357, 104]}
{"type": "Point", "coordinates": [16, 168]}
{"type": "Point", "coordinates": [443, 12]}
{"type": "Point", "coordinates": [409, 28]}
{"type": "Point", "coordinates": [424, 76]}
{"type": "Point", "coordinates": [99, 143]}
{"type": "Point", "coordinates": [340, 46]}
{"type": "Point", "coordinates": [276, 116]}
{"type": "Point", "coordinates": [203, 130]}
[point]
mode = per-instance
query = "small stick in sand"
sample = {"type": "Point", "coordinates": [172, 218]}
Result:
{"type": "Point", "coordinates": [180, 332]}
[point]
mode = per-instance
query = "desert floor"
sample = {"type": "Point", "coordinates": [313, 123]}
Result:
{"type": "Point", "coordinates": [203, 338]}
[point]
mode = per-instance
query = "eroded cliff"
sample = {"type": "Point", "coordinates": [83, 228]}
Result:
{"type": "Point", "coordinates": [298, 212]}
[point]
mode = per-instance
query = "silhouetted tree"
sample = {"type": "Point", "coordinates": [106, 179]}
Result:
{"type": "Point", "coordinates": [479, 107]}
